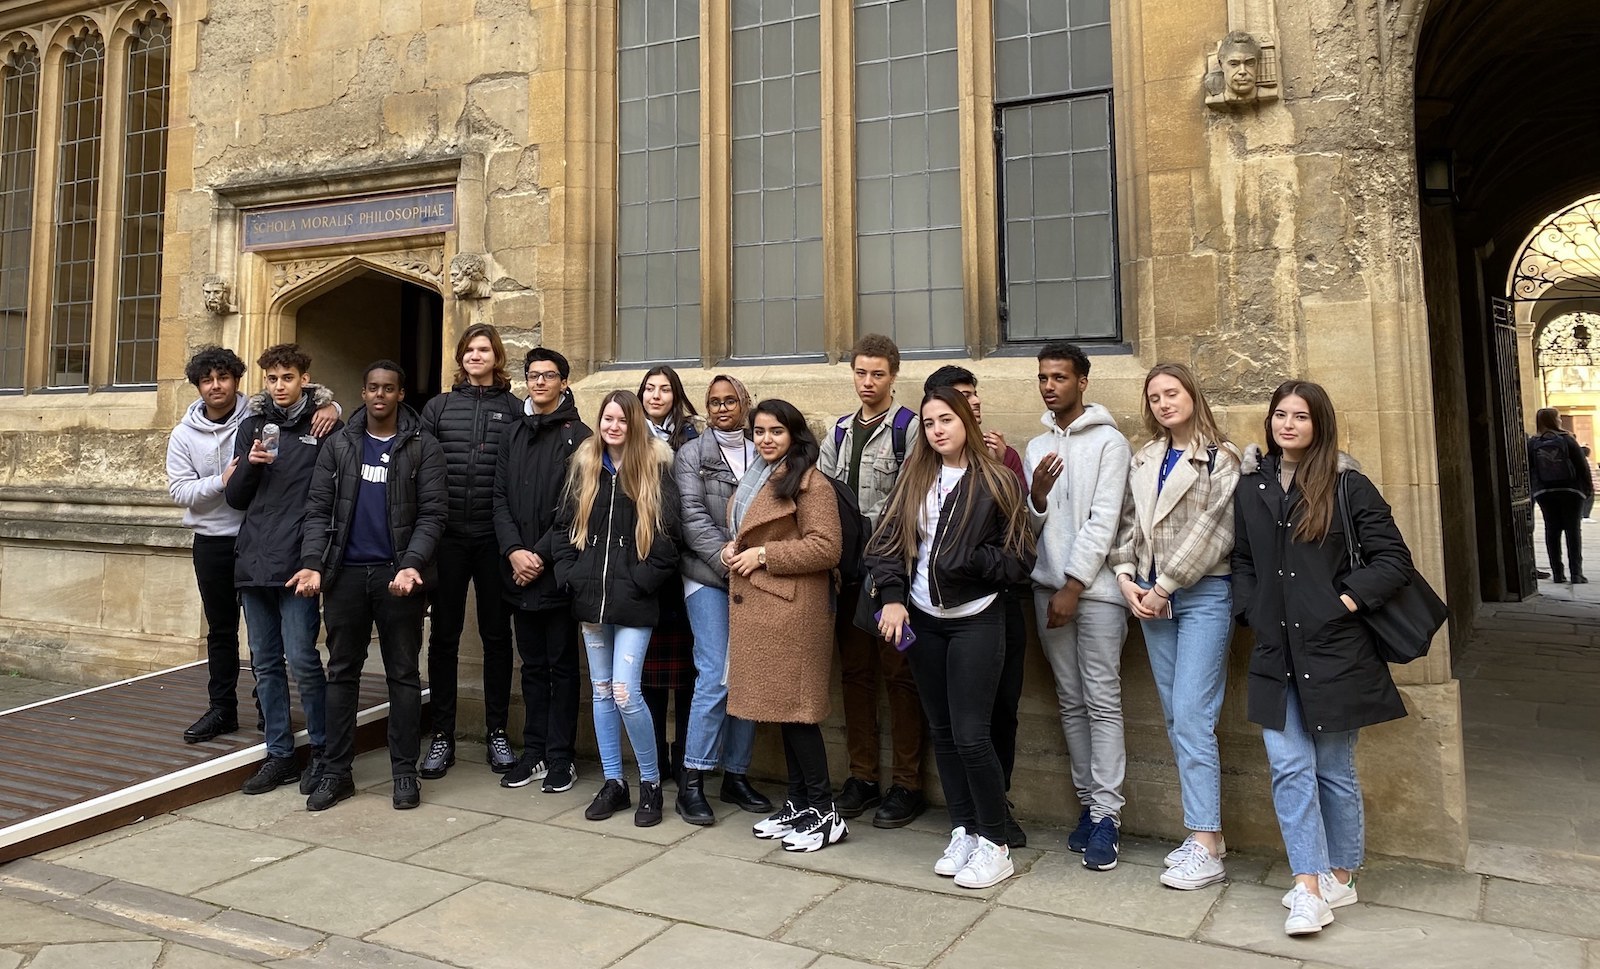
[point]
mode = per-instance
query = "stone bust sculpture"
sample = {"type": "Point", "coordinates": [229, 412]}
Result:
{"type": "Point", "coordinates": [215, 290]}
{"type": "Point", "coordinates": [1236, 74]}
{"type": "Point", "coordinates": [469, 276]}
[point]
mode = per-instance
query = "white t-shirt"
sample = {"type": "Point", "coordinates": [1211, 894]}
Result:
{"type": "Point", "coordinates": [948, 479]}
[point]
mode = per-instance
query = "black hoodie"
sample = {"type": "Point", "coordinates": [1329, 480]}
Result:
{"type": "Point", "coordinates": [529, 478]}
{"type": "Point", "coordinates": [273, 496]}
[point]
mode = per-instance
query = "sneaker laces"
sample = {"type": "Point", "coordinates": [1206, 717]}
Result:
{"type": "Point", "coordinates": [500, 744]}
{"type": "Point", "coordinates": [440, 746]}
{"type": "Point", "coordinates": [1303, 905]}
{"type": "Point", "coordinates": [1190, 865]}
{"type": "Point", "coordinates": [961, 846]}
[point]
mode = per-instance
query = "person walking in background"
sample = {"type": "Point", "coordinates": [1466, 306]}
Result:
{"type": "Point", "coordinates": [1315, 674]}
{"type": "Point", "coordinates": [669, 670]}
{"type": "Point", "coordinates": [953, 537]}
{"type": "Point", "coordinates": [1171, 560]}
{"type": "Point", "coordinates": [784, 518]}
{"type": "Point", "coordinates": [529, 476]}
{"type": "Point", "coordinates": [865, 451]}
{"type": "Point", "coordinates": [469, 423]}
{"type": "Point", "coordinates": [616, 549]}
{"type": "Point", "coordinates": [1078, 469]}
{"type": "Point", "coordinates": [1562, 484]}
{"type": "Point", "coordinates": [708, 470]}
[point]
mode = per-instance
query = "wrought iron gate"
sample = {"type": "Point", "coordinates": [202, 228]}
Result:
{"type": "Point", "coordinates": [1522, 581]}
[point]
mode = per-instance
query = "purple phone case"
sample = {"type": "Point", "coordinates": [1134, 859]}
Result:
{"type": "Point", "coordinates": [907, 634]}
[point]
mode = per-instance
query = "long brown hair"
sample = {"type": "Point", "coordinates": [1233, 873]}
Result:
{"type": "Point", "coordinates": [1318, 473]}
{"type": "Point", "coordinates": [1547, 419]}
{"type": "Point", "coordinates": [643, 458]}
{"type": "Point", "coordinates": [682, 407]}
{"type": "Point", "coordinates": [501, 377]}
{"type": "Point", "coordinates": [1204, 431]}
{"type": "Point", "coordinates": [900, 528]}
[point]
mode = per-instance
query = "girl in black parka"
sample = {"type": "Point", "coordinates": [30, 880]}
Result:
{"type": "Point", "coordinates": [1315, 675]}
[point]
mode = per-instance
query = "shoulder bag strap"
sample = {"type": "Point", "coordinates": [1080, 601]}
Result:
{"type": "Point", "coordinates": [1351, 538]}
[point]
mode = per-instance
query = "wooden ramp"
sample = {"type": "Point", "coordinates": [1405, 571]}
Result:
{"type": "Point", "coordinates": [87, 762]}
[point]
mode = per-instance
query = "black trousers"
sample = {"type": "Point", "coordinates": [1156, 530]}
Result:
{"type": "Point", "coordinates": [1008, 695]}
{"type": "Point", "coordinates": [219, 600]}
{"type": "Point", "coordinates": [957, 664]}
{"type": "Point", "coordinates": [807, 756]}
{"type": "Point", "coordinates": [1563, 516]}
{"type": "Point", "coordinates": [357, 599]}
{"type": "Point", "coordinates": [463, 560]}
{"type": "Point", "coordinates": [656, 697]}
{"type": "Point", "coordinates": [547, 641]}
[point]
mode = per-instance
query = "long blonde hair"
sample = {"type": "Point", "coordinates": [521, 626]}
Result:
{"type": "Point", "coordinates": [900, 528]}
{"type": "Point", "coordinates": [643, 458]}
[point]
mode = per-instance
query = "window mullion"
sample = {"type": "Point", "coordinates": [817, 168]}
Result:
{"type": "Point", "coordinates": [980, 277]}
{"type": "Point", "coordinates": [838, 178]}
{"type": "Point", "coordinates": [716, 187]}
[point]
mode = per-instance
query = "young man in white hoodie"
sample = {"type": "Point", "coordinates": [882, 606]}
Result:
{"type": "Point", "coordinates": [199, 464]}
{"type": "Point", "coordinates": [1078, 470]}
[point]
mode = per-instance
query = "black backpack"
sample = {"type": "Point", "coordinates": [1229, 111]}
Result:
{"type": "Point", "coordinates": [854, 530]}
{"type": "Point", "coordinates": [1551, 462]}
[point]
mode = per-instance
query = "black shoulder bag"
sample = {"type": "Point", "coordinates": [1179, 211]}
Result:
{"type": "Point", "coordinates": [1402, 627]}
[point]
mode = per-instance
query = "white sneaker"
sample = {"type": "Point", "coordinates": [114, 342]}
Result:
{"type": "Point", "coordinates": [1307, 913]}
{"type": "Point", "coordinates": [990, 864]}
{"type": "Point", "coordinates": [778, 825]}
{"type": "Point", "coordinates": [1198, 870]}
{"type": "Point", "coordinates": [814, 830]}
{"type": "Point", "coordinates": [955, 857]}
{"type": "Point", "coordinates": [1175, 857]}
{"type": "Point", "coordinates": [1336, 893]}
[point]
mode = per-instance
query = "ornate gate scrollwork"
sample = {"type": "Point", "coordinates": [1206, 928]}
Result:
{"type": "Point", "coordinates": [1565, 250]}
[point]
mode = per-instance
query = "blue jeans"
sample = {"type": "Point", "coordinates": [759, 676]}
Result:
{"type": "Point", "coordinates": [616, 663]}
{"type": "Point", "coordinates": [1316, 793]}
{"type": "Point", "coordinates": [283, 626]}
{"type": "Point", "coordinates": [1189, 657]}
{"type": "Point", "coordinates": [714, 736]}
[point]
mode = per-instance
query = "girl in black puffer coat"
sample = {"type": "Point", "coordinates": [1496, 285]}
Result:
{"type": "Point", "coordinates": [616, 546]}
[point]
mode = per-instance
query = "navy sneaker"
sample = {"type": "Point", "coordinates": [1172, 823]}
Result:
{"type": "Point", "coordinates": [1078, 840]}
{"type": "Point", "coordinates": [1104, 844]}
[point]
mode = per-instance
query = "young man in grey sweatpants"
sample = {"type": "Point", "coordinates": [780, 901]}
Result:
{"type": "Point", "coordinates": [1078, 474]}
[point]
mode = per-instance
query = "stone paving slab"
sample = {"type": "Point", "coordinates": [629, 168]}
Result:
{"type": "Point", "coordinates": [369, 824]}
{"type": "Point", "coordinates": [144, 903]}
{"type": "Point", "coordinates": [99, 955]}
{"type": "Point", "coordinates": [499, 927]}
{"type": "Point", "coordinates": [731, 836]}
{"type": "Point", "coordinates": [115, 834]}
{"type": "Point", "coordinates": [1544, 907]}
{"type": "Point", "coordinates": [903, 857]}
{"type": "Point", "coordinates": [712, 890]}
{"type": "Point", "coordinates": [315, 889]}
{"type": "Point", "coordinates": [9, 959]}
{"type": "Point", "coordinates": [192, 854]}
{"type": "Point", "coordinates": [1014, 939]}
{"type": "Point", "coordinates": [341, 953]}
{"type": "Point", "coordinates": [24, 923]}
{"type": "Point", "coordinates": [540, 856]}
{"type": "Point", "coordinates": [1130, 896]}
{"type": "Point", "coordinates": [31, 873]}
{"type": "Point", "coordinates": [1377, 937]}
{"type": "Point", "coordinates": [1421, 888]}
{"type": "Point", "coordinates": [882, 924]}
{"type": "Point", "coordinates": [183, 957]}
{"type": "Point", "coordinates": [694, 947]}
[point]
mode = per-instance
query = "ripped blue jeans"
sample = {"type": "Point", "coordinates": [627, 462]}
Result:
{"type": "Point", "coordinates": [616, 663]}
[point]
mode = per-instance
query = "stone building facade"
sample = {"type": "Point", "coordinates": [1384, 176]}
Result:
{"type": "Point", "coordinates": [746, 184]}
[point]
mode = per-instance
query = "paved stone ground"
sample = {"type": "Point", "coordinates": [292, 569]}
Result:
{"type": "Point", "coordinates": [1590, 534]}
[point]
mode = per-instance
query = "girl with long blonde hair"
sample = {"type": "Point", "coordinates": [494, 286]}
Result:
{"type": "Point", "coordinates": [620, 519]}
{"type": "Point", "coordinates": [953, 536]}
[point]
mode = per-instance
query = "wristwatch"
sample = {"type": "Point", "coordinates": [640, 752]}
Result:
{"type": "Point", "coordinates": [761, 555]}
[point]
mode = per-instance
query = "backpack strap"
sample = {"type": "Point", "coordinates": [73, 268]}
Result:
{"type": "Point", "coordinates": [839, 429]}
{"type": "Point", "coordinates": [903, 419]}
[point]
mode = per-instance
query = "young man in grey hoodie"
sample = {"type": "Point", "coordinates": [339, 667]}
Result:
{"type": "Point", "coordinates": [1078, 469]}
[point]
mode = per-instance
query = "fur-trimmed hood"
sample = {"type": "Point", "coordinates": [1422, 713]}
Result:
{"type": "Point", "coordinates": [320, 397]}
{"type": "Point", "coordinates": [1253, 454]}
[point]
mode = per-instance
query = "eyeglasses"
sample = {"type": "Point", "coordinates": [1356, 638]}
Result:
{"type": "Point", "coordinates": [543, 376]}
{"type": "Point", "coordinates": [722, 403]}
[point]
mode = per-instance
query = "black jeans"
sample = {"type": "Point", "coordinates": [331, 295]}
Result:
{"type": "Point", "coordinates": [213, 572]}
{"type": "Point", "coordinates": [957, 665]}
{"type": "Point", "coordinates": [1003, 723]}
{"type": "Point", "coordinates": [356, 599]}
{"type": "Point", "coordinates": [547, 641]}
{"type": "Point", "coordinates": [807, 755]}
{"type": "Point", "coordinates": [462, 560]}
{"type": "Point", "coordinates": [656, 697]}
{"type": "Point", "coordinates": [1563, 515]}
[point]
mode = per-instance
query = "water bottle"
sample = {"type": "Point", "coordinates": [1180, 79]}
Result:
{"type": "Point", "coordinates": [269, 438]}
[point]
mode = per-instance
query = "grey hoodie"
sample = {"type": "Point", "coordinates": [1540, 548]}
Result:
{"type": "Point", "coordinates": [198, 451]}
{"type": "Point", "coordinates": [1076, 531]}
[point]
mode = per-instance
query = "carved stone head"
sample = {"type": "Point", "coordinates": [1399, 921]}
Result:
{"type": "Point", "coordinates": [469, 276]}
{"type": "Point", "coordinates": [1239, 55]}
{"type": "Point", "coordinates": [215, 290]}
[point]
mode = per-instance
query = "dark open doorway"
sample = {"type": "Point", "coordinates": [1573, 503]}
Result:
{"type": "Point", "coordinates": [370, 317]}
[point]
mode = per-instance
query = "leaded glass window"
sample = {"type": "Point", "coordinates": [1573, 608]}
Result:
{"type": "Point", "coordinates": [77, 196]}
{"type": "Point", "coordinates": [19, 134]}
{"type": "Point", "coordinates": [144, 187]}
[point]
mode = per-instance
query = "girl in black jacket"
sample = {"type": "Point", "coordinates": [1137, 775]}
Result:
{"type": "Point", "coordinates": [469, 423]}
{"type": "Point", "coordinates": [615, 549]}
{"type": "Point", "coordinates": [1315, 676]}
{"type": "Point", "coordinates": [952, 537]}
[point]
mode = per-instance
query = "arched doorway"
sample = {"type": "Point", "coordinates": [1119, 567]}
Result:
{"type": "Point", "coordinates": [371, 316]}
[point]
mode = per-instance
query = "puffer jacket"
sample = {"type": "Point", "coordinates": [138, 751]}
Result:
{"type": "Point", "coordinates": [609, 580]}
{"type": "Point", "coordinates": [417, 492]}
{"type": "Point", "coordinates": [469, 423]}
{"type": "Point", "coordinates": [705, 486]}
{"type": "Point", "coordinates": [273, 496]}
{"type": "Point", "coordinates": [529, 477]}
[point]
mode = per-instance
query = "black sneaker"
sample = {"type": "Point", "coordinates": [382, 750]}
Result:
{"type": "Point", "coordinates": [560, 779]}
{"type": "Point", "coordinates": [856, 796]}
{"type": "Point", "coordinates": [407, 793]}
{"type": "Point", "coordinates": [441, 756]}
{"type": "Point", "coordinates": [273, 773]}
{"type": "Point", "coordinates": [525, 771]}
{"type": "Point", "coordinates": [500, 756]}
{"type": "Point", "coordinates": [900, 807]}
{"type": "Point", "coordinates": [330, 790]}
{"type": "Point", "coordinates": [611, 798]}
{"type": "Point", "coordinates": [212, 724]}
{"type": "Point", "coordinates": [316, 766]}
{"type": "Point", "coordinates": [649, 813]}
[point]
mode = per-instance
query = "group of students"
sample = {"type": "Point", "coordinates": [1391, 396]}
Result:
{"type": "Point", "coordinates": [700, 566]}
